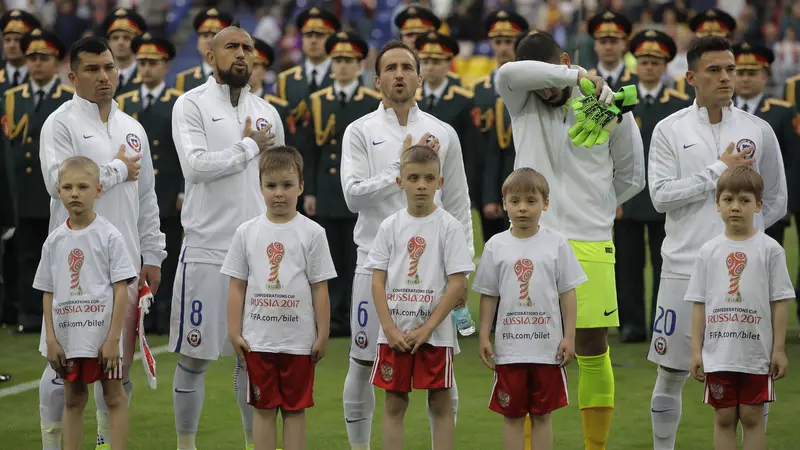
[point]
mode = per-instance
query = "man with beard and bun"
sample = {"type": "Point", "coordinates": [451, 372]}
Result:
{"type": "Point", "coordinates": [206, 24]}
{"type": "Point", "coordinates": [496, 152]}
{"type": "Point", "coordinates": [415, 22]}
{"type": "Point", "coordinates": [27, 106]}
{"type": "Point", "coordinates": [586, 187]}
{"type": "Point", "coordinates": [689, 151]}
{"type": "Point", "coordinates": [332, 110]}
{"type": "Point", "coordinates": [653, 51]}
{"type": "Point", "coordinates": [121, 28]}
{"type": "Point", "coordinates": [711, 22]}
{"type": "Point", "coordinates": [151, 105]}
{"type": "Point", "coordinates": [219, 129]}
{"type": "Point", "coordinates": [610, 32]}
{"type": "Point", "coordinates": [90, 124]}
{"type": "Point", "coordinates": [264, 57]}
{"type": "Point", "coordinates": [371, 151]}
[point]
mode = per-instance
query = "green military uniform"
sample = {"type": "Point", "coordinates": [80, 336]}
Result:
{"type": "Point", "coordinates": [265, 56]}
{"type": "Point", "coordinates": [8, 219]}
{"type": "Point", "coordinates": [610, 25]}
{"type": "Point", "coordinates": [209, 21]}
{"type": "Point", "coordinates": [712, 22]}
{"type": "Point", "coordinates": [638, 214]}
{"type": "Point", "coordinates": [15, 21]}
{"type": "Point", "coordinates": [127, 21]}
{"type": "Point", "coordinates": [26, 109]}
{"type": "Point", "coordinates": [153, 109]}
{"type": "Point", "coordinates": [330, 116]}
{"type": "Point", "coordinates": [414, 22]}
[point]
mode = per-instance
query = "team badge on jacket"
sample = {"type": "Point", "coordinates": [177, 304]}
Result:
{"type": "Point", "coordinates": [747, 147]}
{"type": "Point", "coordinates": [261, 123]}
{"type": "Point", "coordinates": [134, 142]}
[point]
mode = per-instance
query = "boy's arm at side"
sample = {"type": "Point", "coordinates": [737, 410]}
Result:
{"type": "Point", "coordinates": [569, 311]}
{"type": "Point", "coordinates": [488, 308]}
{"type": "Point", "coordinates": [780, 312]}
{"type": "Point", "coordinates": [379, 297]}
{"type": "Point", "coordinates": [118, 315]}
{"type": "Point", "coordinates": [322, 309]}
{"type": "Point", "coordinates": [50, 331]}
{"type": "Point", "coordinates": [236, 291]}
{"type": "Point", "coordinates": [456, 283]}
{"type": "Point", "coordinates": [698, 333]}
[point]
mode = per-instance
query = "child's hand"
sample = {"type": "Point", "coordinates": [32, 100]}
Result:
{"type": "Point", "coordinates": [318, 349]}
{"type": "Point", "coordinates": [241, 348]}
{"type": "Point", "coordinates": [109, 355]}
{"type": "Point", "coordinates": [397, 339]}
{"type": "Point", "coordinates": [56, 357]}
{"type": "Point", "coordinates": [486, 353]}
{"type": "Point", "coordinates": [696, 367]}
{"type": "Point", "coordinates": [779, 365]}
{"type": "Point", "coordinates": [566, 351]}
{"type": "Point", "coordinates": [418, 337]}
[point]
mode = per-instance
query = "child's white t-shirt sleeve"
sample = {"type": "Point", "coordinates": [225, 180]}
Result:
{"type": "Point", "coordinates": [570, 273]}
{"type": "Point", "coordinates": [381, 251]}
{"type": "Point", "coordinates": [235, 264]}
{"type": "Point", "coordinates": [780, 283]}
{"type": "Point", "coordinates": [456, 250]}
{"type": "Point", "coordinates": [43, 280]}
{"type": "Point", "coordinates": [118, 259]}
{"type": "Point", "coordinates": [320, 264]}
{"type": "Point", "coordinates": [696, 292]}
{"type": "Point", "coordinates": [487, 278]}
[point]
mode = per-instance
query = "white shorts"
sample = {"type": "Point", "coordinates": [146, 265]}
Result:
{"type": "Point", "coordinates": [129, 336]}
{"type": "Point", "coordinates": [671, 344]}
{"type": "Point", "coordinates": [198, 321]}
{"type": "Point", "coordinates": [365, 324]}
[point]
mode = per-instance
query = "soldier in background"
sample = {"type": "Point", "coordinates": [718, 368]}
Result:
{"type": "Point", "coordinates": [14, 24]}
{"type": "Point", "coordinates": [449, 102]}
{"type": "Point", "coordinates": [415, 22]}
{"type": "Point", "coordinates": [265, 56]}
{"type": "Point", "coordinates": [151, 104]}
{"type": "Point", "coordinates": [8, 220]}
{"type": "Point", "coordinates": [27, 106]}
{"type": "Point", "coordinates": [610, 32]}
{"type": "Point", "coordinates": [121, 28]}
{"type": "Point", "coordinates": [332, 110]}
{"type": "Point", "coordinates": [653, 51]}
{"type": "Point", "coordinates": [206, 24]}
{"type": "Point", "coordinates": [712, 22]}
{"type": "Point", "coordinates": [495, 154]}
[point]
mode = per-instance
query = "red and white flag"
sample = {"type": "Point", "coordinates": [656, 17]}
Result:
{"type": "Point", "coordinates": [149, 362]}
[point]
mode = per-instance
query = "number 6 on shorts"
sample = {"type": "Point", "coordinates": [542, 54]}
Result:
{"type": "Point", "coordinates": [363, 315]}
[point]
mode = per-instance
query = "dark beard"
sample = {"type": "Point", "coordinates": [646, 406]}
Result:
{"type": "Point", "coordinates": [232, 79]}
{"type": "Point", "coordinates": [565, 94]}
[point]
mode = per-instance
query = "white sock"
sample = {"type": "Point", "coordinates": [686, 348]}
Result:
{"type": "Point", "coordinates": [453, 399]}
{"type": "Point", "coordinates": [103, 420]}
{"type": "Point", "coordinates": [240, 389]}
{"type": "Point", "coordinates": [665, 408]}
{"type": "Point", "coordinates": [188, 394]}
{"type": "Point", "coordinates": [359, 404]}
{"type": "Point", "coordinates": [51, 409]}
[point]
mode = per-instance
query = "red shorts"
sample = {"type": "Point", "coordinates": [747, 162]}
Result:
{"type": "Point", "coordinates": [279, 380]}
{"type": "Point", "coordinates": [430, 368]}
{"type": "Point", "coordinates": [729, 389]}
{"type": "Point", "coordinates": [88, 370]}
{"type": "Point", "coordinates": [526, 388]}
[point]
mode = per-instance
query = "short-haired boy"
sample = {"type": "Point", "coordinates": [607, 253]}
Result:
{"type": "Point", "coordinates": [84, 274]}
{"type": "Point", "coordinates": [418, 262]}
{"type": "Point", "coordinates": [278, 305]}
{"type": "Point", "coordinates": [739, 288]}
{"type": "Point", "coordinates": [530, 273]}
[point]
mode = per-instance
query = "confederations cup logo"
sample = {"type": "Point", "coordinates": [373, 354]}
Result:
{"type": "Point", "coordinates": [747, 147]}
{"type": "Point", "coordinates": [736, 262]}
{"type": "Point", "coordinates": [261, 123]}
{"type": "Point", "coordinates": [134, 142]}
{"type": "Point", "coordinates": [75, 263]}
{"type": "Point", "coordinates": [275, 252]}
{"type": "Point", "coordinates": [416, 247]}
{"type": "Point", "coordinates": [524, 270]}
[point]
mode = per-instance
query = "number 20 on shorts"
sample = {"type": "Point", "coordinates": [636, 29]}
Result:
{"type": "Point", "coordinates": [665, 321]}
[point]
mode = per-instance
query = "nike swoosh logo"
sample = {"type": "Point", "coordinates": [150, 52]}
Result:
{"type": "Point", "coordinates": [354, 421]}
{"type": "Point", "coordinates": [608, 313]}
{"type": "Point", "coordinates": [89, 136]}
{"type": "Point", "coordinates": [659, 410]}
{"type": "Point", "coordinates": [377, 143]}
{"type": "Point", "coordinates": [216, 119]}
{"type": "Point", "coordinates": [687, 146]}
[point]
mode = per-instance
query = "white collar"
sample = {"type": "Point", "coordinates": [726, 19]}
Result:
{"type": "Point", "coordinates": [703, 112]}
{"type": "Point", "coordinates": [321, 69]}
{"type": "Point", "coordinates": [223, 91]}
{"type": "Point", "coordinates": [91, 109]}
{"type": "Point", "coordinates": [207, 69]}
{"type": "Point", "coordinates": [11, 70]}
{"type": "Point", "coordinates": [390, 116]}
{"type": "Point", "coordinates": [615, 74]}
{"type": "Point", "coordinates": [349, 89]}
{"type": "Point", "coordinates": [437, 93]}
{"type": "Point", "coordinates": [643, 92]}
{"type": "Point", "coordinates": [752, 103]}
{"type": "Point", "coordinates": [47, 88]}
{"type": "Point", "coordinates": [127, 73]}
{"type": "Point", "coordinates": [155, 92]}
{"type": "Point", "coordinates": [259, 93]}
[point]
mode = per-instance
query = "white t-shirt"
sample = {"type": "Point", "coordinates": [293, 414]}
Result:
{"type": "Point", "coordinates": [737, 280]}
{"type": "Point", "coordinates": [528, 275]}
{"type": "Point", "coordinates": [280, 263]}
{"type": "Point", "coordinates": [80, 267]}
{"type": "Point", "coordinates": [419, 253]}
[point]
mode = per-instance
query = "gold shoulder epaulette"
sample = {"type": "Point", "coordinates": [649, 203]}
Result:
{"type": "Point", "coordinates": [669, 93]}
{"type": "Point", "coordinates": [486, 80]}
{"type": "Point", "coordinates": [169, 93]}
{"type": "Point", "coordinates": [462, 91]}
{"type": "Point", "coordinates": [16, 89]}
{"type": "Point", "coordinates": [454, 75]}
{"type": "Point", "coordinates": [371, 92]}
{"type": "Point", "coordinates": [778, 102]}
{"type": "Point", "coordinates": [321, 92]}
{"type": "Point", "coordinates": [273, 100]}
{"type": "Point", "coordinates": [282, 80]}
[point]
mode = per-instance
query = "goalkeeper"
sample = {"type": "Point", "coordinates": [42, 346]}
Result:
{"type": "Point", "coordinates": [587, 184]}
